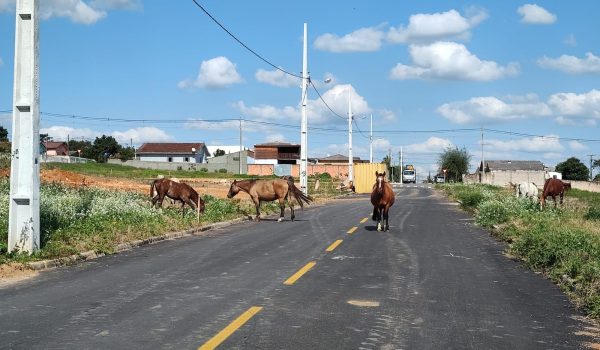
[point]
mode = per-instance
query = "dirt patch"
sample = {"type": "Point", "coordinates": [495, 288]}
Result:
{"type": "Point", "coordinates": [214, 187]}
{"type": "Point", "coordinates": [12, 273]}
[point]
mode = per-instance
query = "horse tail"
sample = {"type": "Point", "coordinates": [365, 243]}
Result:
{"type": "Point", "coordinates": [152, 185]}
{"type": "Point", "coordinates": [301, 198]}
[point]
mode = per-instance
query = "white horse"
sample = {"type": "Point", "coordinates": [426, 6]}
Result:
{"type": "Point", "coordinates": [527, 190]}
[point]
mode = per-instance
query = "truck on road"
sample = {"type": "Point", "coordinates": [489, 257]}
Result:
{"type": "Point", "coordinates": [409, 174]}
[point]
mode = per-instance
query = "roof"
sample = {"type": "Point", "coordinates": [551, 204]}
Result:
{"type": "Point", "coordinates": [173, 148]}
{"type": "Point", "coordinates": [509, 165]}
{"type": "Point", "coordinates": [337, 157]}
{"type": "Point", "coordinates": [277, 144]}
{"type": "Point", "coordinates": [53, 145]}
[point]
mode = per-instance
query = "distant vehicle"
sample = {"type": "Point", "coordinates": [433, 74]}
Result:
{"type": "Point", "coordinates": [440, 179]}
{"type": "Point", "coordinates": [409, 174]}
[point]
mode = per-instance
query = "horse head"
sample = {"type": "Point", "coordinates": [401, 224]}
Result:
{"type": "Point", "coordinates": [380, 178]}
{"type": "Point", "coordinates": [233, 190]}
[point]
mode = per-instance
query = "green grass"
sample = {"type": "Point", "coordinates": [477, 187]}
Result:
{"type": "Point", "coordinates": [77, 220]}
{"type": "Point", "coordinates": [122, 171]}
{"type": "Point", "coordinates": [563, 243]}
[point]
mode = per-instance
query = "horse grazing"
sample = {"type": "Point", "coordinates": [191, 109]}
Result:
{"type": "Point", "coordinates": [270, 190]}
{"type": "Point", "coordinates": [526, 190]}
{"type": "Point", "coordinates": [552, 188]}
{"type": "Point", "coordinates": [382, 199]}
{"type": "Point", "coordinates": [177, 191]}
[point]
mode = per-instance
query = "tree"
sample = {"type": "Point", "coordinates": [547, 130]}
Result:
{"type": "Point", "coordinates": [219, 152]}
{"type": "Point", "coordinates": [104, 147]}
{"type": "Point", "coordinates": [45, 138]}
{"type": "Point", "coordinates": [83, 148]}
{"type": "Point", "coordinates": [3, 134]}
{"type": "Point", "coordinates": [573, 169]}
{"type": "Point", "coordinates": [127, 153]}
{"type": "Point", "coordinates": [456, 161]}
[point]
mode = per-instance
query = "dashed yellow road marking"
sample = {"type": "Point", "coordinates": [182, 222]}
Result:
{"type": "Point", "coordinates": [333, 245]}
{"type": "Point", "coordinates": [299, 274]}
{"type": "Point", "coordinates": [350, 231]}
{"type": "Point", "coordinates": [364, 220]}
{"type": "Point", "coordinates": [232, 327]}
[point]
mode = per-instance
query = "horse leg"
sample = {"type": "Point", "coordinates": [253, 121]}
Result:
{"type": "Point", "coordinates": [282, 207]}
{"type": "Point", "coordinates": [379, 216]}
{"type": "Point", "coordinates": [374, 213]}
{"type": "Point", "coordinates": [257, 205]}
{"type": "Point", "coordinates": [386, 217]}
{"type": "Point", "coordinates": [292, 209]}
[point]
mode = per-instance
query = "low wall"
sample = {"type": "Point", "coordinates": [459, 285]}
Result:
{"type": "Point", "coordinates": [585, 185]}
{"type": "Point", "coordinates": [337, 171]}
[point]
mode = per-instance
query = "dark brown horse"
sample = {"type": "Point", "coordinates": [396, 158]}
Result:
{"type": "Point", "coordinates": [177, 191]}
{"type": "Point", "coordinates": [552, 188]}
{"type": "Point", "coordinates": [270, 190]}
{"type": "Point", "coordinates": [382, 199]}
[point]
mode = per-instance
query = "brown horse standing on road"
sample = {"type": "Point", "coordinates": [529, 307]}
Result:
{"type": "Point", "coordinates": [552, 188]}
{"type": "Point", "coordinates": [177, 191]}
{"type": "Point", "coordinates": [270, 190]}
{"type": "Point", "coordinates": [382, 199]}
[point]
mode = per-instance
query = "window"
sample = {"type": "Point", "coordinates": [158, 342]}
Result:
{"type": "Point", "coordinates": [186, 159]}
{"type": "Point", "coordinates": [170, 159]}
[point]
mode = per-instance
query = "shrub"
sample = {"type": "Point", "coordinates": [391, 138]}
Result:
{"type": "Point", "coordinates": [593, 213]}
{"type": "Point", "coordinates": [223, 171]}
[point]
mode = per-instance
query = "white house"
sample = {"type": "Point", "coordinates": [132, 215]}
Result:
{"type": "Point", "coordinates": [173, 152]}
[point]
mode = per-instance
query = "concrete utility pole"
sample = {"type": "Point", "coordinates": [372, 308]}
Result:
{"type": "Point", "coordinates": [304, 123]}
{"type": "Point", "coordinates": [350, 157]}
{"type": "Point", "coordinates": [591, 163]}
{"type": "Point", "coordinates": [240, 157]}
{"type": "Point", "coordinates": [371, 142]}
{"type": "Point", "coordinates": [24, 207]}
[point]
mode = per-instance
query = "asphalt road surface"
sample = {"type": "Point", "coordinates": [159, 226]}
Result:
{"type": "Point", "coordinates": [326, 281]}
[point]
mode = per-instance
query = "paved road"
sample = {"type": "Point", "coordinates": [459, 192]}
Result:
{"type": "Point", "coordinates": [433, 281]}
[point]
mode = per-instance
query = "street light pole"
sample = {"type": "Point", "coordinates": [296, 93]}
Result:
{"type": "Point", "coordinates": [304, 123]}
{"type": "Point", "coordinates": [371, 141]}
{"type": "Point", "coordinates": [350, 157]}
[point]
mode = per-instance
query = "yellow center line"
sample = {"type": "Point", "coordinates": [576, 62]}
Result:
{"type": "Point", "coordinates": [333, 245]}
{"type": "Point", "coordinates": [232, 327]}
{"type": "Point", "coordinates": [350, 231]}
{"type": "Point", "coordinates": [299, 274]}
{"type": "Point", "coordinates": [364, 220]}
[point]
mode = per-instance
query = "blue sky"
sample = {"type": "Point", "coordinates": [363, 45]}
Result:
{"type": "Point", "coordinates": [424, 70]}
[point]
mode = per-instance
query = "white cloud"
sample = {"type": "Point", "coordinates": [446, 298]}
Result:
{"type": "Point", "coordinates": [572, 64]}
{"type": "Point", "coordinates": [386, 115]}
{"type": "Point", "coordinates": [577, 146]}
{"type": "Point", "coordinates": [586, 106]}
{"type": "Point", "coordinates": [215, 73]}
{"type": "Point", "coordinates": [277, 78]}
{"type": "Point", "coordinates": [534, 14]}
{"type": "Point", "coordinates": [1, 62]}
{"type": "Point", "coordinates": [275, 138]}
{"type": "Point", "coordinates": [540, 144]}
{"type": "Point", "coordinates": [214, 126]}
{"type": "Point", "coordinates": [450, 60]}
{"type": "Point", "coordinates": [141, 134]}
{"type": "Point", "coordinates": [431, 145]}
{"type": "Point", "coordinates": [361, 40]}
{"type": "Point", "coordinates": [425, 27]}
{"type": "Point", "coordinates": [117, 4]}
{"type": "Point", "coordinates": [78, 11]}
{"type": "Point", "coordinates": [492, 109]}
{"type": "Point", "coordinates": [318, 113]}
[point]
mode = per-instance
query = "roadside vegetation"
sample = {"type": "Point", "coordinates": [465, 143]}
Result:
{"type": "Point", "coordinates": [562, 243]}
{"type": "Point", "coordinates": [75, 220]}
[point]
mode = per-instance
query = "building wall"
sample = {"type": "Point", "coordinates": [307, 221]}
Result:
{"type": "Point", "coordinates": [215, 167]}
{"type": "Point", "coordinates": [502, 178]}
{"type": "Point", "coordinates": [265, 153]}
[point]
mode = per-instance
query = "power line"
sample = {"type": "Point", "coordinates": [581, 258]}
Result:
{"type": "Point", "coordinates": [323, 100]}
{"type": "Point", "coordinates": [244, 45]}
